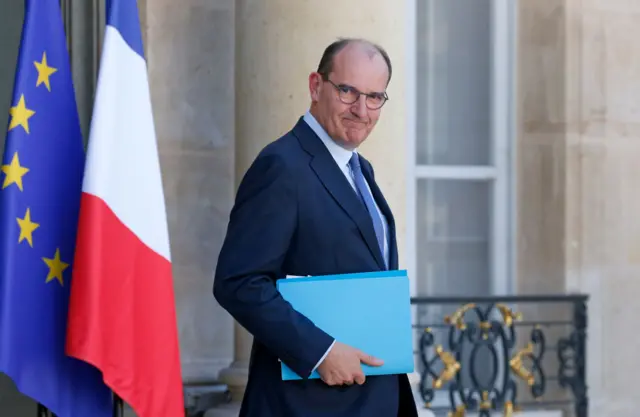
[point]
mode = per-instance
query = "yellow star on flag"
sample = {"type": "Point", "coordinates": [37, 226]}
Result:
{"type": "Point", "coordinates": [44, 71]}
{"type": "Point", "coordinates": [26, 228]}
{"type": "Point", "coordinates": [13, 172]}
{"type": "Point", "coordinates": [56, 267]}
{"type": "Point", "coordinates": [20, 115]}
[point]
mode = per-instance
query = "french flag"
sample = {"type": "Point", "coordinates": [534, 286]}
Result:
{"type": "Point", "coordinates": [122, 316]}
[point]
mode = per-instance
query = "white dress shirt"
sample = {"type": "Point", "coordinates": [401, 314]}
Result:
{"type": "Point", "coordinates": [342, 156]}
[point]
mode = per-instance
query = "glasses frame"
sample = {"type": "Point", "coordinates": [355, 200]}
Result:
{"type": "Point", "coordinates": [359, 93]}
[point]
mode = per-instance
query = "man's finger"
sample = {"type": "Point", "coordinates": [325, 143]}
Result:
{"type": "Point", "coordinates": [359, 378]}
{"type": "Point", "coordinates": [371, 360]}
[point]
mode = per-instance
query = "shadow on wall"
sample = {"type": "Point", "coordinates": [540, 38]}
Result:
{"type": "Point", "coordinates": [12, 403]}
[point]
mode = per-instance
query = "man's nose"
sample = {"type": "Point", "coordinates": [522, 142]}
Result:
{"type": "Point", "coordinates": [359, 108]}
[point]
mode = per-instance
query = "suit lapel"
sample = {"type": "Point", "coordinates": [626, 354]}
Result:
{"type": "Point", "coordinates": [337, 185]}
{"type": "Point", "coordinates": [386, 211]}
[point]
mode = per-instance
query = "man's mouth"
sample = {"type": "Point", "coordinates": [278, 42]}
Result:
{"type": "Point", "coordinates": [354, 122]}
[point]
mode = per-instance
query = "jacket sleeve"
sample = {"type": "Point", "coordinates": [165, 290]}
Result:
{"type": "Point", "coordinates": [261, 227]}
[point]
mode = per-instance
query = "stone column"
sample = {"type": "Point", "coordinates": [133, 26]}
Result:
{"type": "Point", "coordinates": [236, 375]}
{"type": "Point", "coordinates": [603, 149]}
{"type": "Point", "coordinates": [190, 55]}
{"type": "Point", "coordinates": [579, 147]}
{"type": "Point", "coordinates": [279, 42]}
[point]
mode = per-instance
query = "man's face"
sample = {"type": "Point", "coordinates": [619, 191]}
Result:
{"type": "Point", "coordinates": [356, 68]}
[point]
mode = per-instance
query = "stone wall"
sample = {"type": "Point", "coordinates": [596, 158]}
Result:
{"type": "Point", "coordinates": [579, 145]}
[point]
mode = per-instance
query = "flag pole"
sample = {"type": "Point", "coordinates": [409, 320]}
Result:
{"type": "Point", "coordinates": [118, 406]}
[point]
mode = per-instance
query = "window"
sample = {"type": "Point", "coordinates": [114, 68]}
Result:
{"type": "Point", "coordinates": [460, 221]}
{"type": "Point", "coordinates": [461, 189]}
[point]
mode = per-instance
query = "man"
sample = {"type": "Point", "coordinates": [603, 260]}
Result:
{"type": "Point", "coordinates": [309, 205]}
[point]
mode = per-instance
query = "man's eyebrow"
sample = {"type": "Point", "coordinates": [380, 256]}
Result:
{"type": "Point", "coordinates": [382, 93]}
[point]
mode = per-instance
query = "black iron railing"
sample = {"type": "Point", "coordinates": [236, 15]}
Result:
{"type": "Point", "coordinates": [497, 355]}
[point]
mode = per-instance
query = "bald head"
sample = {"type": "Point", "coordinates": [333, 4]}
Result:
{"type": "Point", "coordinates": [350, 47]}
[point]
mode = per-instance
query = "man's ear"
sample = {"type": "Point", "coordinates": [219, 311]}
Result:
{"type": "Point", "coordinates": [315, 86]}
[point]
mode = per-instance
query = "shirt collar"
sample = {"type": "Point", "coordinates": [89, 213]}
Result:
{"type": "Point", "coordinates": [339, 154]}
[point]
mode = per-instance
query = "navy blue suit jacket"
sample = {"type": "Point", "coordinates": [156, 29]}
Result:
{"type": "Point", "coordinates": [296, 214]}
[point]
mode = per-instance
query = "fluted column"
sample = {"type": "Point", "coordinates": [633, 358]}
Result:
{"type": "Point", "coordinates": [190, 57]}
{"type": "Point", "coordinates": [278, 43]}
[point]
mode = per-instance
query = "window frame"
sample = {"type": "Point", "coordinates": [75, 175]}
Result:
{"type": "Point", "coordinates": [503, 161]}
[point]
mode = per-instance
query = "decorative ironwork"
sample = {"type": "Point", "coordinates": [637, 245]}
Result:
{"type": "Point", "coordinates": [483, 332]}
{"type": "Point", "coordinates": [572, 358]}
{"type": "Point", "coordinates": [451, 367]}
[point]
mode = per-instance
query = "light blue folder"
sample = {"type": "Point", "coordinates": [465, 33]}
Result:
{"type": "Point", "coordinates": [370, 311]}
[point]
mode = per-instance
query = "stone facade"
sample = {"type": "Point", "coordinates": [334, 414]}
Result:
{"type": "Point", "coordinates": [578, 141]}
{"type": "Point", "coordinates": [229, 76]}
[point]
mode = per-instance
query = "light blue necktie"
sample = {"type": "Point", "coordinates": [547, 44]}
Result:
{"type": "Point", "coordinates": [366, 196]}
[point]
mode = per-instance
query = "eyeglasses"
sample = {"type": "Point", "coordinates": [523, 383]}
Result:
{"type": "Point", "coordinates": [349, 95]}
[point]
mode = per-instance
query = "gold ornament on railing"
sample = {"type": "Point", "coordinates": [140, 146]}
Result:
{"type": "Point", "coordinates": [458, 316]}
{"type": "Point", "coordinates": [485, 326]}
{"type": "Point", "coordinates": [451, 367]}
{"type": "Point", "coordinates": [460, 412]}
{"type": "Point", "coordinates": [517, 365]}
{"type": "Point", "coordinates": [509, 409]}
{"type": "Point", "coordinates": [508, 316]}
{"type": "Point", "coordinates": [485, 404]}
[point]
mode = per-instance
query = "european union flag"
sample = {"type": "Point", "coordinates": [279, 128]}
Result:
{"type": "Point", "coordinates": [40, 185]}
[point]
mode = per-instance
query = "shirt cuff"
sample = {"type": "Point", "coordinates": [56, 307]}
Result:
{"type": "Point", "coordinates": [323, 356]}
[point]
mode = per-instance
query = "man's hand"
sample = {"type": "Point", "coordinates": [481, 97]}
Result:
{"type": "Point", "coordinates": [342, 365]}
